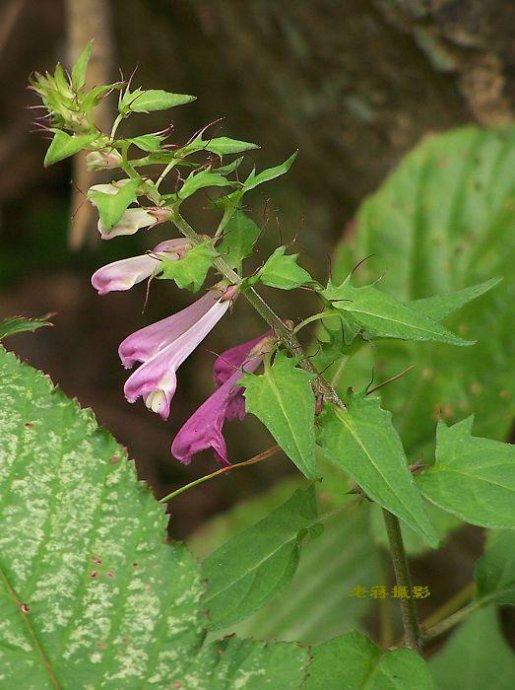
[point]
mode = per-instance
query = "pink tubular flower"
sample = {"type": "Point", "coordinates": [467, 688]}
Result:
{"type": "Point", "coordinates": [163, 347]}
{"type": "Point", "coordinates": [204, 428]}
{"type": "Point", "coordinates": [123, 274]}
{"type": "Point", "coordinates": [133, 219]}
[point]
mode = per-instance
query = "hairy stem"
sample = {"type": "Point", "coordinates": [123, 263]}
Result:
{"type": "Point", "coordinates": [403, 579]}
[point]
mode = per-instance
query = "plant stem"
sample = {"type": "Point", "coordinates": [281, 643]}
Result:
{"type": "Point", "coordinates": [252, 461]}
{"type": "Point", "coordinates": [403, 579]}
{"type": "Point", "coordinates": [463, 596]}
{"type": "Point", "coordinates": [287, 337]}
{"type": "Point", "coordinates": [449, 622]}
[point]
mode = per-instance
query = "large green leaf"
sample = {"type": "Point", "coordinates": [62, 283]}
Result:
{"type": "Point", "coordinates": [444, 220]}
{"type": "Point", "coordinates": [476, 657]}
{"type": "Point", "coordinates": [363, 442]}
{"type": "Point", "coordinates": [382, 316]}
{"type": "Point", "coordinates": [282, 399]}
{"type": "Point", "coordinates": [111, 206]}
{"type": "Point", "coordinates": [90, 593]}
{"type": "Point", "coordinates": [342, 562]}
{"type": "Point", "coordinates": [495, 571]}
{"type": "Point", "coordinates": [252, 566]}
{"type": "Point", "coordinates": [474, 478]}
{"type": "Point", "coordinates": [352, 662]}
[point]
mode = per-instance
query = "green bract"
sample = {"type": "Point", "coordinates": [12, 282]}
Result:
{"type": "Point", "coordinates": [190, 272]}
{"type": "Point", "coordinates": [281, 271]}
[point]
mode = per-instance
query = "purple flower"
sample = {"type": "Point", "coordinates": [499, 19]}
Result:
{"type": "Point", "coordinates": [123, 274]}
{"type": "Point", "coordinates": [163, 347]}
{"type": "Point", "coordinates": [204, 428]}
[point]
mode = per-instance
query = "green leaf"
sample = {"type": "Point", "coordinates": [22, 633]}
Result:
{"type": "Point", "coordinates": [382, 316]}
{"type": "Point", "coordinates": [140, 101]}
{"type": "Point", "coordinates": [269, 174]}
{"type": "Point", "coordinates": [444, 220]}
{"type": "Point", "coordinates": [149, 143]}
{"type": "Point", "coordinates": [220, 146]}
{"type": "Point", "coordinates": [495, 570]}
{"type": "Point", "coordinates": [199, 180]}
{"type": "Point", "coordinates": [90, 592]}
{"type": "Point", "coordinates": [439, 307]}
{"type": "Point", "coordinates": [250, 568]}
{"type": "Point", "coordinates": [240, 235]}
{"type": "Point", "coordinates": [341, 559]}
{"type": "Point", "coordinates": [21, 324]}
{"type": "Point", "coordinates": [191, 270]}
{"type": "Point", "coordinates": [353, 662]}
{"type": "Point", "coordinates": [363, 442]}
{"type": "Point", "coordinates": [282, 271]}
{"type": "Point", "coordinates": [65, 145]}
{"type": "Point", "coordinates": [474, 478]}
{"type": "Point", "coordinates": [80, 68]}
{"type": "Point", "coordinates": [476, 657]}
{"type": "Point", "coordinates": [111, 207]}
{"type": "Point", "coordinates": [283, 400]}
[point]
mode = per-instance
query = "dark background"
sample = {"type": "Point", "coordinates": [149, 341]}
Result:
{"type": "Point", "coordinates": [352, 84]}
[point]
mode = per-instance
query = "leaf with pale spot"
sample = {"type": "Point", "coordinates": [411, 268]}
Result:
{"type": "Point", "coordinates": [91, 594]}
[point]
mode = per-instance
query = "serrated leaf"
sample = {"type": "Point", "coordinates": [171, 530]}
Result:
{"type": "Point", "coordinates": [363, 442]}
{"type": "Point", "coordinates": [474, 478]}
{"type": "Point", "coordinates": [382, 316]}
{"type": "Point", "coordinates": [90, 592]}
{"type": "Point", "coordinates": [21, 324]}
{"type": "Point", "coordinates": [283, 400]}
{"type": "Point", "coordinates": [440, 307]}
{"type": "Point", "coordinates": [200, 180]}
{"type": "Point", "coordinates": [495, 570]}
{"type": "Point", "coordinates": [240, 235]}
{"type": "Point", "coordinates": [150, 100]}
{"type": "Point", "coordinates": [80, 68]}
{"type": "Point", "coordinates": [445, 219]}
{"type": "Point", "coordinates": [353, 662]}
{"type": "Point", "coordinates": [65, 145]}
{"type": "Point", "coordinates": [269, 174]}
{"type": "Point", "coordinates": [191, 270]}
{"type": "Point", "coordinates": [112, 206]}
{"type": "Point", "coordinates": [282, 271]}
{"type": "Point", "coordinates": [476, 656]}
{"type": "Point", "coordinates": [250, 568]}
